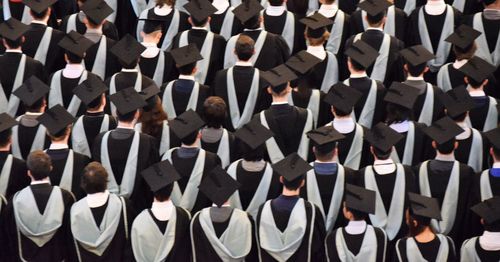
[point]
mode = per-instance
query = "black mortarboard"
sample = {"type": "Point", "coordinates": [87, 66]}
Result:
{"type": "Point", "coordinates": [75, 43]}
{"type": "Point", "coordinates": [360, 199]}
{"type": "Point", "coordinates": [402, 94]}
{"type": "Point", "coordinates": [90, 89]}
{"type": "Point", "coordinates": [160, 175]}
{"type": "Point", "coordinates": [477, 69]}
{"type": "Point", "coordinates": [247, 9]}
{"type": "Point", "coordinates": [6, 122]}
{"type": "Point", "coordinates": [152, 24]}
{"type": "Point", "coordinates": [342, 96]}
{"type": "Point", "coordinates": [218, 186]}
{"type": "Point", "coordinates": [362, 53]}
{"type": "Point", "coordinates": [186, 124]}
{"type": "Point", "coordinates": [56, 119]}
{"type": "Point", "coordinates": [278, 77]}
{"type": "Point", "coordinates": [127, 100]}
{"type": "Point", "coordinates": [96, 10]}
{"type": "Point", "coordinates": [316, 24]}
{"type": "Point", "coordinates": [488, 210]}
{"type": "Point", "coordinates": [423, 206]}
{"type": "Point", "coordinates": [32, 90]}
{"type": "Point", "coordinates": [254, 134]}
{"type": "Point", "coordinates": [416, 55]}
{"type": "Point", "coordinates": [443, 130]}
{"type": "Point", "coordinates": [186, 55]}
{"type": "Point", "coordinates": [457, 101]}
{"type": "Point", "coordinates": [463, 36]}
{"type": "Point", "coordinates": [373, 7]}
{"type": "Point", "coordinates": [127, 49]}
{"type": "Point", "coordinates": [302, 62]}
{"type": "Point", "coordinates": [383, 137]}
{"type": "Point", "coordinates": [324, 135]}
{"type": "Point", "coordinates": [149, 95]}
{"type": "Point", "coordinates": [493, 137]}
{"type": "Point", "coordinates": [292, 167]}
{"type": "Point", "coordinates": [200, 9]}
{"type": "Point", "coordinates": [38, 6]}
{"type": "Point", "coordinates": [13, 29]}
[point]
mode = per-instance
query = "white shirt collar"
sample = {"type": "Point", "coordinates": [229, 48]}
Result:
{"type": "Point", "coordinates": [375, 28]}
{"type": "Point", "coordinates": [401, 127]}
{"type": "Point", "coordinates": [43, 181]}
{"type": "Point", "coordinates": [467, 131]}
{"type": "Point", "coordinates": [13, 51]}
{"type": "Point", "coordinates": [344, 125]}
{"type": "Point", "coordinates": [414, 78]}
{"type": "Point", "coordinates": [384, 167]}
{"type": "Point", "coordinates": [449, 157]}
{"type": "Point", "coordinates": [358, 75]}
{"type": "Point", "coordinates": [162, 210]}
{"type": "Point", "coordinates": [130, 70]}
{"type": "Point", "coordinates": [476, 93]}
{"type": "Point", "coordinates": [275, 10]}
{"type": "Point", "coordinates": [56, 146]}
{"type": "Point", "coordinates": [151, 51]}
{"type": "Point", "coordinates": [97, 199]}
{"type": "Point", "coordinates": [187, 77]}
{"type": "Point", "coordinates": [124, 127]}
{"type": "Point", "coordinates": [39, 22]}
{"type": "Point", "coordinates": [496, 165]}
{"type": "Point", "coordinates": [255, 29]}
{"type": "Point", "coordinates": [199, 28]}
{"type": "Point", "coordinates": [33, 113]}
{"type": "Point", "coordinates": [434, 7]}
{"type": "Point", "coordinates": [490, 241]}
{"type": "Point", "coordinates": [328, 10]}
{"type": "Point", "coordinates": [317, 51]}
{"type": "Point", "coordinates": [221, 6]}
{"type": "Point", "coordinates": [280, 103]}
{"type": "Point", "coordinates": [162, 11]}
{"type": "Point", "coordinates": [459, 63]}
{"type": "Point", "coordinates": [73, 70]}
{"type": "Point", "coordinates": [223, 205]}
{"type": "Point", "coordinates": [356, 227]}
{"type": "Point", "coordinates": [244, 63]}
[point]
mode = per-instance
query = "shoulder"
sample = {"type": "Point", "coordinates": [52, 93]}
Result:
{"type": "Point", "coordinates": [183, 214]}
{"type": "Point", "coordinates": [400, 12]}
{"type": "Point", "coordinates": [380, 86]}
{"type": "Point", "coordinates": [81, 158]}
{"type": "Point", "coordinates": [68, 197]}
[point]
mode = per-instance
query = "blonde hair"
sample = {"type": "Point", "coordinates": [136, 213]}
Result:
{"type": "Point", "coordinates": [317, 41]}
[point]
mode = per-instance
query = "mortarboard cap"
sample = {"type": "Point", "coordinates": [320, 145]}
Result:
{"type": "Point", "coordinates": [13, 29]}
{"type": "Point", "coordinates": [254, 134]}
{"type": "Point", "coordinates": [218, 186]}
{"type": "Point", "coordinates": [96, 10]}
{"type": "Point", "coordinates": [488, 210]}
{"type": "Point", "coordinates": [200, 9]}
{"type": "Point", "coordinates": [343, 97]}
{"type": "Point", "coordinates": [186, 55]}
{"type": "Point", "coordinates": [324, 135]}
{"type": "Point", "coordinates": [402, 94]}
{"type": "Point", "coordinates": [374, 7]}
{"type": "Point", "coordinates": [247, 9]}
{"type": "Point", "coordinates": [6, 122]}
{"type": "Point", "coordinates": [302, 62]}
{"type": "Point", "coordinates": [360, 199]}
{"type": "Point", "coordinates": [443, 130]}
{"type": "Point", "coordinates": [416, 55]}
{"type": "Point", "coordinates": [383, 137]}
{"type": "Point", "coordinates": [38, 6]}
{"type": "Point", "coordinates": [477, 69]}
{"type": "Point", "coordinates": [278, 77]}
{"type": "Point", "coordinates": [160, 175]}
{"type": "Point", "coordinates": [127, 100]}
{"type": "Point", "coordinates": [463, 36]}
{"type": "Point", "coordinates": [493, 137]}
{"type": "Point", "coordinates": [152, 24]}
{"type": "Point", "coordinates": [56, 119]}
{"type": "Point", "coordinates": [292, 167]}
{"type": "Point", "coordinates": [423, 206]}
{"type": "Point", "coordinates": [149, 95]}
{"type": "Point", "coordinates": [457, 101]}
{"type": "Point", "coordinates": [362, 53]}
{"type": "Point", "coordinates": [90, 89]}
{"type": "Point", "coordinates": [186, 124]}
{"type": "Point", "coordinates": [75, 43]}
{"type": "Point", "coordinates": [32, 90]}
{"type": "Point", "coordinates": [316, 24]}
{"type": "Point", "coordinates": [127, 50]}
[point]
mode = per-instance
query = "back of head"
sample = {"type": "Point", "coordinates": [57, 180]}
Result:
{"type": "Point", "coordinates": [415, 70]}
{"type": "Point", "coordinates": [61, 135]}
{"type": "Point", "coordinates": [39, 164]}
{"type": "Point", "coordinates": [164, 193]}
{"type": "Point", "coordinates": [252, 23]}
{"type": "Point", "coordinates": [41, 15]}
{"type": "Point", "coordinates": [396, 113]}
{"type": "Point", "coordinates": [94, 178]}
{"type": "Point", "coordinates": [5, 137]}
{"type": "Point", "coordinates": [214, 111]}
{"type": "Point", "coordinates": [186, 69]}
{"type": "Point", "coordinates": [127, 118]}
{"type": "Point", "coordinates": [293, 184]}
{"type": "Point", "coordinates": [276, 2]}
{"type": "Point", "coordinates": [381, 154]}
{"type": "Point", "coordinates": [325, 152]}
{"type": "Point", "coordinates": [418, 224]}
{"type": "Point", "coordinates": [244, 47]}
{"type": "Point", "coordinates": [375, 20]}
{"type": "Point", "coordinates": [465, 53]}
{"type": "Point", "coordinates": [152, 121]}
{"type": "Point", "coordinates": [447, 147]}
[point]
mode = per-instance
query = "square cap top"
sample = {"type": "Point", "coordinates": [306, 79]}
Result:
{"type": "Point", "coordinates": [383, 137]}
{"type": "Point", "coordinates": [463, 36]}
{"type": "Point", "coordinates": [127, 49]}
{"type": "Point", "coordinates": [56, 119]}
{"type": "Point", "coordinates": [186, 124]}
{"type": "Point", "coordinates": [149, 95]}
{"type": "Point", "coordinates": [360, 199]}
{"type": "Point", "coordinates": [218, 186]}
{"type": "Point", "coordinates": [160, 175]}
{"type": "Point", "coordinates": [477, 69]}
{"type": "Point", "coordinates": [362, 53]}
{"type": "Point", "coordinates": [254, 134]}
{"type": "Point", "coordinates": [457, 101]}
{"type": "Point", "coordinates": [200, 9]}
{"type": "Point", "coordinates": [247, 9]}
{"type": "Point", "coordinates": [316, 24]}
{"type": "Point", "coordinates": [6, 122]}
{"type": "Point", "coordinates": [493, 137]}
{"type": "Point", "coordinates": [423, 206]}
{"type": "Point", "coordinates": [443, 130]}
{"type": "Point", "coordinates": [127, 100]}
{"type": "Point", "coordinates": [402, 94]}
{"type": "Point", "coordinates": [32, 90]}
{"type": "Point", "coordinates": [342, 96]}
{"type": "Point", "coordinates": [374, 7]}
{"type": "Point", "coordinates": [324, 135]}
{"type": "Point", "coordinates": [417, 55]}
{"type": "Point", "coordinates": [75, 43]}
{"type": "Point", "coordinates": [96, 10]}
{"type": "Point", "coordinates": [13, 29]}
{"type": "Point", "coordinates": [278, 77]}
{"type": "Point", "coordinates": [90, 89]}
{"type": "Point", "coordinates": [302, 62]}
{"type": "Point", "coordinates": [152, 24]}
{"type": "Point", "coordinates": [186, 55]}
{"type": "Point", "coordinates": [488, 210]}
{"type": "Point", "coordinates": [292, 167]}
{"type": "Point", "coordinates": [39, 6]}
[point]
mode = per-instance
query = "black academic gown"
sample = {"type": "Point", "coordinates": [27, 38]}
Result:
{"type": "Point", "coordinates": [27, 128]}
{"type": "Point", "coordinates": [167, 20]}
{"type": "Point", "coordinates": [486, 255]}
{"type": "Point", "coordinates": [119, 143]}
{"type": "Point", "coordinates": [124, 80]}
{"type": "Point", "coordinates": [348, 6]}
{"type": "Point", "coordinates": [4, 241]}
{"type": "Point", "coordinates": [344, 146]}
{"type": "Point", "coordinates": [315, 76]}
{"type": "Point", "coordinates": [301, 98]}
{"type": "Point", "coordinates": [181, 91]}
{"type": "Point", "coordinates": [438, 108]}
{"type": "Point", "coordinates": [59, 158]}
{"type": "Point", "coordinates": [276, 25]}
{"type": "Point", "coordinates": [18, 177]}
{"type": "Point", "coordinates": [418, 145]}
{"type": "Point", "coordinates": [428, 250]}
{"type": "Point", "coordinates": [478, 114]}
{"type": "Point", "coordinates": [148, 67]}
{"type": "Point", "coordinates": [401, 23]}
{"type": "Point", "coordinates": [363, 85]}
{"type": "Point", "coordinates": [112, 64]}
{"type": "Point", "coordinates": [108, 28]}
{"type": "Point", "coordinates": [92, 125]}
{"type": "Point", "coordinates": [55, 249]}
{"type": "Point", "coordinates": [55, 54]}
{"type": "Point", "coordinates": [216, 21]}
{"type": "Point", "coordinates": [346, 33]}
{"type": "Point", "coordinates": [298, 7]}
{"type": "Point", "coordinates": [463, 151]}
{"type": "Point", "coordinates": [214, 146]}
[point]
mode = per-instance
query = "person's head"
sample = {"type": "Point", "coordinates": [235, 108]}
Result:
{"type": "Point", "coordinates": [447, 147]}
{"type": "Point", "coordinates": [276, 2]}
{"type": "Point", "coordinates": [495, 153]}
{"type": "Point", "coordinates": [460, 117]}
{"type": "Point", "coordinates": [214, 111]}
{"type": "Point", "coordinates": [97, 104]}
{"type": "Point", "coordinates": [464, 53]}
{"type": "Point", "coordinates": [6, 138]}
{"type": "Point", "coordinates": [325, 152]}
{"type": "Point", "coordinates": [152, 36]}
{"type": "Point", "coordinates": [244, 48]}
{"type": "Point", "coordinates": [60, 136]}
{"type": "Point", "coordinates": [253, 23]}
{"type": "Point", "coordinates": [163, 194]}
{"type": "Point", "coordinates": [131, 65]}
{"type": "Point", "coordinates": [71, 58]}
{"type": "Point", "coordinates": [189, 69]}
{"type": "Point", "coordinates": [379, 154]}
{"type": "Point", "coordinates": [292, 185]}
{"type": "Point", "coordinates": [280, 91]}
{"type": "Point", "coordinates": [94, 178]}
{"type": "Point", "coordinates": [191, 139]}
{"type": "Point", "coordinates": [13, 44]}
{"type": "Point", "coordinates": [353, 214]}
{"type": "Point", "coordinates": [89, 23]}
{"type": "Point", "coordinates": [42, 16]}
{"type": "Point", "coordinates": [128, 117]}
{"type": "Point", "coordinates": [39, 165]}
{"type": "Point", "coordinates": [198, 23]}
{"type": "Point", "coordinates": [396, 113]}
{"type": "Point", "coordinates": [316, 41]}
{"type": "Point", "coordinates": [37, 107]}
{"type": "Point", "coordinates": [377, 20]}
{"type": "Point", "coordinates": [416, 224]}
{"type": "Point", "coordinates": [327, 2]}
{"type": "Point", "coordinates": [337, 112]}
{"type": "Point", "coordinates": [249, 154]}
{"type": "Point", "coordinates": [162, 3]}
{"type": "Point", "coordinates": [416, 70]}
{"type": "Point", "coordinates": [152, 120]}
{"type": "Point", "coordinates": [355, 67]}
{"type": "Point", "coordinates": [474, 83]}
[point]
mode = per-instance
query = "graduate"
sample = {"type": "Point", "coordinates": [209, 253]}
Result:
{"type": "Point", "coordinates": [484, 247]}
{"type": "Point", "coordinates": [62, 82]}
{"type": "Point", "coordinates": [259, 182]}
{"type": "Point", "coordinates": [125, 152]}
{"type": "Point", "coordinates": [408, 5]}
{"type": "Point", "coordinates": [101, 221]}
{"type": "Point", "coordinates": [369, 108]}
{"type": "Point", "coordinates": [211, 45]}
{"type": "Point", "coordinates": [446, 179]}
{"type": "Point", "coordinates": [29, 135]}
{"type": "Point", "coordinates": [388, 65]}
{"type": "Point", "coordinates": [423, 243]}
{"type": "Point", "coordinates": [484, 116]}
{"type": "Point", "coordinates": [222, 232]}
{"type": "Point", "coordinates": [161, 233]}
{"type": "Point", "coordinates": [325, 183]}
{"type": "Point", "coordinates": [270, 50]}
{"type": "Point", "coordinates": [67, 165]}
{"type": "Point", "coordinates": [339, 30]}
{"type": "Point", "coordinates": [92, 93]}
{"type": "Point", "coordinates": [290, 228]}
{"type": "Point", "coordinates": [348, 7]}
{"type": "Point", "coordinates": [358, 240]}
{"type": "Point", "coordinates": [190, 161]}
{"type": "Point", "coordinates": [288, 123]}
{"type": "Point", "coordinates": [127, 14]}
{"type": "Point", "coordinates": [185, 92]}
{"type": "Point", "coordinates": [37, 218]}
{"type": "Point", "coordinates": [352, 151]}
{"type": "Point", "coordinates": [17, 67]}
{"type": "Point", "coordinates": [427, 108]}
{"type": "Point", "coordinates": [223, 21]}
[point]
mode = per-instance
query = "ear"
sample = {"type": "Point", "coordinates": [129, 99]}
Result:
{"type": "Point", "coordinates": [314, 149]}
{"type": "Point", "coordinates": [405, 67]}
{"type": "Point", "coordinates": [434, 144]}
{"type": "Point", "coordinates": [426, 69]}
{"type": "Point", "coordinates": [190, 21]}
{"type": "Point", "coordinates": [281, 180]}
{"type": "Point", "coordinates": [269, 90]}
{"type": "Point", "coordinates": [372, 150]}
{"type": "Point", "coordinates": [455, 145]}
{"type": "Point", "coordinates": [142, 34]}
{"type": "Point", "coordinates": [466, 79]}
{"type": "Point", "coordinates": [485, 82]}
{"type": "Point", "coordinates": [492, 154]}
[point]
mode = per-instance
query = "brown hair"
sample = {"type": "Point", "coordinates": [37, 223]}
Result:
{"type": "Point", "coordinates": [466, 53]}
{"type": "Point", "coordinates": [94, 178]}
{"type": "Point", "coordinates": [214, 111]}
{"type": "Point", "coordinates": [317, 41]}
{"type": "Point", "coordinates": [39, 164]}
{"type": "Point", "coordinates": [244, 47]}
{"type": "Point", "coordinates": [161, 3]}
{"type": "Point", "coordinates": [152, 121]}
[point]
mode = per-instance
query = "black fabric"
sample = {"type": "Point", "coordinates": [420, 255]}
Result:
{"type": "Point", "coordinates": [59, 158]}
{"type": "Point", "coordinates": [478, 114]}
{"type": "Point", "coordinates": [98, 212]}
{"type": "Point", "coordinates": [148, 67]}
{"type": "Point", "coordinates": [181, 92]}
{"type": "Point", "coordinates": [276, 25]}
{"type": "Point", "coordinates": [112, 65]}
{"type": "Point", "coordinates": [363, 85]}
{"type": "Point", "coordinates": [214, 147]}
{"type": "Point", "coordinates": [250, 182]}
{"type": "Point", "coordinates": [92, 125]}
{"type": "Point", "coordinates": [344, 146]}
{"type": "Point", "coordinates": [354, 243]}
{"type": "Point", "coordinates": [108, 28]}
{"type": "Point", "coordinates": [438, 108]}
{"type": "Point", "coordinates": [429, 250]}
{"type": "Point", "coordinates": [55, 59]}
{"type": "Point", "coordinates": [216, 21]}
{"type": "Point", "coordinates": [485, 255]}
{"type": "Point", "coordinates": [18, 178]}
{"type": "Point", "coordinates": [274, 52]}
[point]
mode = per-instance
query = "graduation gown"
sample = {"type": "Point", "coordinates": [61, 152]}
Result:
{"type": "Point", "coordinates": [430, 251]}
{"type": "Point", "coordinates": [353, 141]}
{"type": "Point", "coordinates": [59, 172]}
{"type": "Point", "coordinates": [428, 106]}
{"type": "Point", "coordinates": [395, 25]}
{"type": "Point", "coordinates": [308, 98]}
{"type": "Point", "coordinates": [482, 117]}
{"type": "Point", "coordinates": [324, 74]}
{"type": "Point", "coordinates": [418, 144]}
{"type": "Point", "coordinates": [127, 78]}
{"type": "Point", "coordinates": [92, 124]}
{"type": "Point", "coordinates": [26, 133]}
{"type": "Point", "coordinates": [127, 13]}
{"type": "Point", "coordinates": [159, 72]}
{"type": "Point", "coordinates": [364, 85]}
{"type": "Point", "coordinates": [286, 21]}
{"type": "Point", "coordinates": [473, 150]}
{"type": "Point", "coordinates": [224, 147]}
{"type": "Point", "coordinates": [472, 251]}
{"type": "Point", "coordinates": [55, 54]}
{"type": "Point", "coordinates": [348, 6]}
{"type": "Point", "coordinates": [218, 20]}
{"type": "Point", "coordinates": [108, 28]}
{"type": "Point", "coordinates": [338, 37]}
{"type": "Point", "coordinates": [16, 176]}
{"type": "Point", "coordinates": [449, 77]}
{"type": "Point", "coordinates": [105, 58]}
{"type": "Point", "coordinates": [182, 90]}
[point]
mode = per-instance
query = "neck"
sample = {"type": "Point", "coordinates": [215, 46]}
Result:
{"type": "Point", "coordinates": [479, 88]}
{"type": "Point", "coordinates": [5, 148]}
{"type": "Point", "coordinates": [445, 157]}
{"type": "Point", "coordinates": [61, 142]}
{"type": "Point", "coordinates": [425, 236]}
{"type": "Point", "coordinates": [280, 99]}
{"type": "Point", "coordinates": [127, 124]}
{"type": "Point", "coordinates": [98, 110]}
{"type": "Point", "coordinates": [150, 39]}
{"type": "Point", "coordinates": [13, 49]}
{"type": "Point", "coordinates": [290, 192]}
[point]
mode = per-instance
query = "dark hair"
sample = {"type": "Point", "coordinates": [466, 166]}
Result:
{"type": "Point", "coordinates": [35, 107]}
{"type": "Point", "coordinates": [186, 69]}
{"type": "Point", "coordinates": [125, 117]}
{"type": "Point", "coordinates": [357, 66]}
{"type": "Point", "coordinates": [74, 59]}
{"type": "Point", "coordinates": [191, 138]}
{"type": "Point", "coordinates": [275, 2]}
{"type": "Point", "coordinates": [250, 154]}
{"type": "Point", "coordinates": [152, 120]}
{"type": "Point", "coordinates": [14, 43]}
{"type": "Point", "coordinates": [341, 113]}
{"type": "Point", "coordinates": [494, 227]}
{"type": "Point", "coordinates": [214, 111]}
{"type": "Point", "coordinates": [375, 19]}
{"type": "Point", "coordinates": [5, 137]}
{"type": "Point", "coordinates": [422, 224]}
{"type": "Point", "coordinates": [325, 151]}
{"type": "Point", "coordinates": [164, 193]}
{"type": "Point", "coordinates": [496, 152]}
{"type": "Point", "coordinates": [465, 53]}
{"type": "Point", "coordinates": [244, 47]}
{"type": "Point", "coordinates": [381, 154]}
{"type": "Point", "coordinates": [94, 178]}
{"type": "Point", "coordinates": [459, 118]}
{"type": "Point", "coordinates": [39, 164]}
{"type": "Point", "coordinates": [294, 184]}
{"type": "Point", "coordinates": [447, 147]}
{"type": "Point", "coordinates": [197, 22]}
{"type": "Point", "coordinates": [416, 70]}
{"type": "Point", "coordinates": [253, 22]}
{"type": "Point", "coordinates": [59, 135]}
{"type": "Point", "coordinates": [132, 64]}
{"type": "Point", "coordinates": [473, 83]}
{"type": "Point", "coordinates": [95, 103]}
{"type": "Point", "coordinates": [357, 215]}
{"type": "Point", "coordinates": [396, 113]}
{"type": "Point", "coordinates": [39, 15]}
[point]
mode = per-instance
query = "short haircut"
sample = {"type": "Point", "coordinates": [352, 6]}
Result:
{"type": "Point", "coordinates": [39, 164]}
{"type": "Point", "coordinates": [357, 66]}
{"type": "Point", "coordinates": [416, 70]}
{"type": "Point", "coordinates": [35, 107]}
{"type": "Point", "coordinates": [357, 215]}
{"type": "Point", "coordinates": [198, 23]}
{"type": "Point", "coordinates": [61, 134]}
{"type": "Point", "coordinates": [214, 111]}
{"type": "Point", "coordinates": [473, 83]}
{"type": "Point", "coordinates": [396, 113]}
{"type": "Point", "coordinates": [382, 155]}
{"type": "Point", "coordinates": [191, 138]}
{"type": "Point", "coordinates": [341, 113]}
{"type": "Point", "coordinates": [446, 147]}
{"type": "Point", "coordinates": [5, 137]}
{"type": "Point", "coordinates": [459, 118]}
{"type": "Point", "coordinates": [244, 47]}
{"type": "Point", "coordinates": [465, 53]}
{"type": "Point", "coordinates": [74, 59]}
{"type": "Point", "coordinates": [186, 69]}
{"type": "Point", "coordinates": [294, 184]}
{"type": "Point", "coordinates": [165, 2]}
{"type": "Point", "coordinates": [14, 43]}
{"type": "Point", "coordinates": [94, 178]}
{"type": "Point", "coordinates": [253, 22]}
{"type": "Point", "coordinates": [275, 2]}
{"type": "Point", "coordinates": [496, 152]}
{"type": "Point", "coordinates": [375, 19]}
{"type": "Point", "coordinates": [97, 102]}
{"type": "Point", "coordinates": [164, 193]}
{"type": "Point", "coordinates": [325, 151]}
{"type": "Point", "coordinates": [128, 117]}
{"type": "Point", "coordinates": [40, 15]}
{"type": "Point", "coordinates": [132, 64]}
